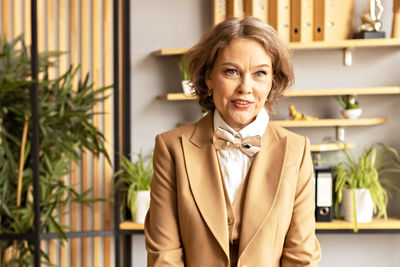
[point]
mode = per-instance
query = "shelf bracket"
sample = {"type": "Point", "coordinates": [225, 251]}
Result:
{"type": "Point", "coordinates": [340, 133]}
{"type": "Point", "coordinates": [347, 56]}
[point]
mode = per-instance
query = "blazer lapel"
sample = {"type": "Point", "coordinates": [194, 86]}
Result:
{"type": "Point", "coordinates": [263, 186]}
{"type": "Point", "coordinates": [205, 180]}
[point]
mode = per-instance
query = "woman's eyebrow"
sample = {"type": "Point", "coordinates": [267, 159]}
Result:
{"type": "Point", "coordinates": [237, 66]}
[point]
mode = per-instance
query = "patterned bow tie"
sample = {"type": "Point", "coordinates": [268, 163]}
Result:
{"type": "Point", "coordinates": [223, 139]}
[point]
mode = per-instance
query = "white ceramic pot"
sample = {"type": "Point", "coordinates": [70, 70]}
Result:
{"type": "Point", "coordinates": [187, 87]}
{"type": "Point", "coordinates": [142, 206]}
{"type": "Point", "coordinates": [351, 113]}
{"type": "Point", "coordinates": [364, 205]}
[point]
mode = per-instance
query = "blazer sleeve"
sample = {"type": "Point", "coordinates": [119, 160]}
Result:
{"type": "Point", "coordinates": [301, 247]}
{"type": "Point", "coordinates": [163, 244]}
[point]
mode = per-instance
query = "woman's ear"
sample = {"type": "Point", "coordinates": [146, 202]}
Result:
{"type": "Point", "coordinates": [208, 79]}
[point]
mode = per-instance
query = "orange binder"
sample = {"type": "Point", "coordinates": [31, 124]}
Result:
{"type": "Point", "coordinates": [219, 11]}
{"type": "Point", "coordinates": [301, 24]}
{"type": "Point", "coordinates": [279, 17]}
{"type": "Point", "coordinates": [257, 8]}
{"type": "Point", "coordinates": [333, 20]}
{"type": "Point", "coordinates": [235, 8]}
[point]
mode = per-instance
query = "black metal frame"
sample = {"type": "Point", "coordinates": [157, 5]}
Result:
{"type": "Point", "coordinates": [36, 236]}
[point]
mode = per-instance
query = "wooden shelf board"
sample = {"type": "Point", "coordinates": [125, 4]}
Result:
{"type": "Point", "coordinates": [331, 122]}
{"type": "Point", "coordinates": [386, 90]}
{"type": "Point", "coordinates": [176, 96]}
{"type": "Point", "coordinates": [352, 43]}
{"type": "Point", "coordinates": [376, 224]}
{"type": "Point", "coordinates": [131, 226]}
{"type": "Point", "coordinates": [330, 147]}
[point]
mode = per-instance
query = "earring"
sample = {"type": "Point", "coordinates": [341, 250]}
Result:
{"type": "Point", "coordinates": [210, 92]}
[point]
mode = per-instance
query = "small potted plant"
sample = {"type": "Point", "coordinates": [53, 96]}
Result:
{"type": "Point", "coordinates": [351, 109]}
{"type": "Point", "coordinates": [187, 86]}
{"type": "Point", "coordinates": [134, 182]}
{"type": "Point", "coordinates": [359, 188]}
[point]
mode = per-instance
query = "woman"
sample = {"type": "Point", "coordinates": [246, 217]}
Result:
{"type": "Point", "coordinates": [234, 189]}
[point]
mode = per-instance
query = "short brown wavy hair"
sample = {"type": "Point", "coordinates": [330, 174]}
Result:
{"type": "Point", "coordinates": [200, 59]}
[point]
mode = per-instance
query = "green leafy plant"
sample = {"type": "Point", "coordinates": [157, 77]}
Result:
{"type": "Point", "coordinates": [133, 177]}
{"type": "Point", "coordinates": [362, 174]}
{"type": "Point", "coordinates": [184, 73]}
{"type": "Point", "coordinates": [66, 112]}
{"type": "Point", "coordinates": [347, 101]}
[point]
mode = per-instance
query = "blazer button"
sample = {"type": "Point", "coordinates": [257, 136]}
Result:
{"type": "Point", "coordinates": [230, 220]}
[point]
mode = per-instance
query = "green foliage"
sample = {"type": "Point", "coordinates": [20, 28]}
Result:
{"type": "Point", "coordinates": [133, 177]}
{"type": "Point", "coordinates": [362, 174]}
{"type": "Point", "coordinates": [66, 112]}
{"type": "Point", "coordinates": [347, 101]}
{"type": "Point", "coordinates": [184, 73]}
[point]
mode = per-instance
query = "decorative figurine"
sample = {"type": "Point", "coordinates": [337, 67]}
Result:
{"type": "Point", "coordinates": [297, 116]}
{"type": "Point", "coordinates": [371, 26]}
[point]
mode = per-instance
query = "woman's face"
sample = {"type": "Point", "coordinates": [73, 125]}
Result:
{"type": "Point", "coordinates": [240, 79]}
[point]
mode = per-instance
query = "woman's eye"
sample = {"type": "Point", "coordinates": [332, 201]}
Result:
{"type": "Point", "coordinates": [260, 74]}
{"type": "Point", "coordinates": [231, 71]}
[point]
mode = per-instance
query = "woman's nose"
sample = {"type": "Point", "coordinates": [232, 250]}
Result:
{"type": "Point", "coordinates": [245, 84]}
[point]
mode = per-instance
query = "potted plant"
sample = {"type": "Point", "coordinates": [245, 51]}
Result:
{"type": "Point", "coordinates": [65, 129]}
{"type": "Point", "coordinates": [187, 86]}
{"type": "Point", "coordinates": [359, 188]}
{"type": "Point", "coordinates": [134, 182]}
{"type": "Point", "coordinates": [351, 109]}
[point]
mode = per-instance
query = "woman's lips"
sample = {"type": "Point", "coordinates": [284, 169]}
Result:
{"type": "Point", "coordinates": [242, 104]}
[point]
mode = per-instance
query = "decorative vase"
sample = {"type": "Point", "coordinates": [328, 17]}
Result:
{"type": "Point", "coordinates": [187, 87]}
{"type": "Point", "coordinates": [142, 204]}
{"type": "Point", "coordinates": [351, 113]}
{"type": "Point", "coordinates": [364, 205]}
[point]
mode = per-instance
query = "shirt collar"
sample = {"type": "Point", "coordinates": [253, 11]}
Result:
{"type": "Point", "coordinates": [257, 127]}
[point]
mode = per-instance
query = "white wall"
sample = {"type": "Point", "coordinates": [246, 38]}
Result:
{"type": "Point", "coordinates": [179, 23]}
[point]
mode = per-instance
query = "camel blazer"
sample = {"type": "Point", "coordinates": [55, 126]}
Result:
{"type": "Point", "coordinates": [187, 221]}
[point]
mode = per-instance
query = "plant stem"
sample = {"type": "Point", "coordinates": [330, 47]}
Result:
{"type": "Point", "coordinates": [21, 161]}
{"type": "Point", "coordinates": [354, 210]}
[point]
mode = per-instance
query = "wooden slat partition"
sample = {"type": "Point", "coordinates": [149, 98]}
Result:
{"type": "Point", "coordinates": [108, 124]}
{"type": "Point", "coordinates": [83, 29]}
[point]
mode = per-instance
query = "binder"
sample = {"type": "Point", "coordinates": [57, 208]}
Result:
{"type": "Point", "coordinates": [257, 8]}
{"type": "Point", "coordinates": [302, 19]}
{"type": "Point", "coordinates": [279, 17]}
{"type": "Point", "coordinates": [219, 13]}
{"type": "Point", "coordinates": [323, 195]}
{"type": "Point", "coordinates": [235, 9]}
{"type": "Point", "coordinates": [333, 20]}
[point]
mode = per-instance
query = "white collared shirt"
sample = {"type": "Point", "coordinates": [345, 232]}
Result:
{"type": "Point", "coordinates": [233, 162]}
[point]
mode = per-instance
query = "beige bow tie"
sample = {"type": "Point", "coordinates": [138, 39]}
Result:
{"type": "Point", "coordinates": [223, 139]}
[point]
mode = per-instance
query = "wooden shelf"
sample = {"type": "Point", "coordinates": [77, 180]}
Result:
{"type": "Point", "coordinates": [131, 226]}
{"type": "Point", "coordinates": [330, 147]}
{"type": "Point", "coordinates": [331, 122]}
{"type": "Point", "coordinates": [386, 90]}
{"type": "Point", "coordinates": [376, 224]}
{"type": "Point", "coordinates": [352, 43]}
